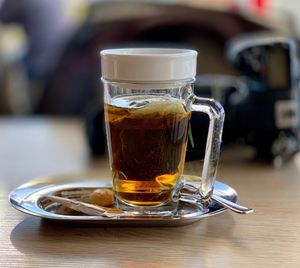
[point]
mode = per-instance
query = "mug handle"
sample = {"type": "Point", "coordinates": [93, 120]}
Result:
{"type": "Point", "coordinates": [216, 115]}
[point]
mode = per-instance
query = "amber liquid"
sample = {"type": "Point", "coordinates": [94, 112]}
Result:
{"type": "Point", "coordinates": [147, 138]}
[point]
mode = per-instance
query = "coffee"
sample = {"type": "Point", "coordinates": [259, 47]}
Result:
{"type": "Point", "coordinates": [147, 137]}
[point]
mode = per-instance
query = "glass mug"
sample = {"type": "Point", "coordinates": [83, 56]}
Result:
{"type": "Point", "coordinates": [148, 100]}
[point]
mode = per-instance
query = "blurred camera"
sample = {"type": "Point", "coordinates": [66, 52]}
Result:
{"type": "Point", "coordinates": [262, 105]}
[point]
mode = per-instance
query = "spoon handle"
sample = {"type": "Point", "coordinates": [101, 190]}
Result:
{"type": "Point", "coordinates": [231, 205]}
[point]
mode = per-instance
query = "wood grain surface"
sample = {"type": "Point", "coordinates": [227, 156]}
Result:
{"type": "Point", "coordinates": [270, 237]}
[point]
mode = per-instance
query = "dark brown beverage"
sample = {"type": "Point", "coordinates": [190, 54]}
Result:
{"type": "Point", "coordinates": [147, 138]}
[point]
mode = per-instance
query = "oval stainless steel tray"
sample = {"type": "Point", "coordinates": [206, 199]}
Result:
{"type": "Point", "coordinates": [29, 199]}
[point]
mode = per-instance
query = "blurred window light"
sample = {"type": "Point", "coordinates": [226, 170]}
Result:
{"type": "Point", "coordinates": [13, 42]}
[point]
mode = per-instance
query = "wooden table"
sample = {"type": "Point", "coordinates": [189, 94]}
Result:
{"type": "Point", "coordinates": [270, 237]}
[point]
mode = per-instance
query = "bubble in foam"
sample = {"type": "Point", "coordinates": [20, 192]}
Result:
{"type": "Point", "coordinates": [149, 104]}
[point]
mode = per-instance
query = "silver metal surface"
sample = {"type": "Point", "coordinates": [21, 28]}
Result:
{"type": "Point", "coordinates": [231, 205]}
{"type": "Point", "coordinates": [30, 199]}
{"type": "Point", "coordinates": [191, 194]}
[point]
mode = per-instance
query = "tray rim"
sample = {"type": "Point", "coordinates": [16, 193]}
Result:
{"type": "Point", "coordinates": [44, 183]}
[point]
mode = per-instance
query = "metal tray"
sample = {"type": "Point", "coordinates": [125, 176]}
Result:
{"type": "Point", "coordinates": [29, 199]}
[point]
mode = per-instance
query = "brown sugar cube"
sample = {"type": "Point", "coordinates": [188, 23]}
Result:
{"type": "Point", "coordinates": [102, 197]}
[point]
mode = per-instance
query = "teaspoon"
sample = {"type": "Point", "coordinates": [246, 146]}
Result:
{"type": "Point", "coordinates": [196, 199]}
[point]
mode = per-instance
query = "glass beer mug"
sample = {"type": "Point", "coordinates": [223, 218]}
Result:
{"type": "Point", "coordinates": [148, 100]}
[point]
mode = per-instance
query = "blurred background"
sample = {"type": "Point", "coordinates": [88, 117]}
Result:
{"type": "Point", "coordinates": [50, 64]}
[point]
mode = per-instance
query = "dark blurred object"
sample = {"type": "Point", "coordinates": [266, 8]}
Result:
{"type": "Point", "coordinates": [95, 130]}
{"type": "Point", "coordinates": [75, 83]}
{"type": "Point", "coordinates": [262, 107]}
{"type": "Point", "coordinates": [269, 116]}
